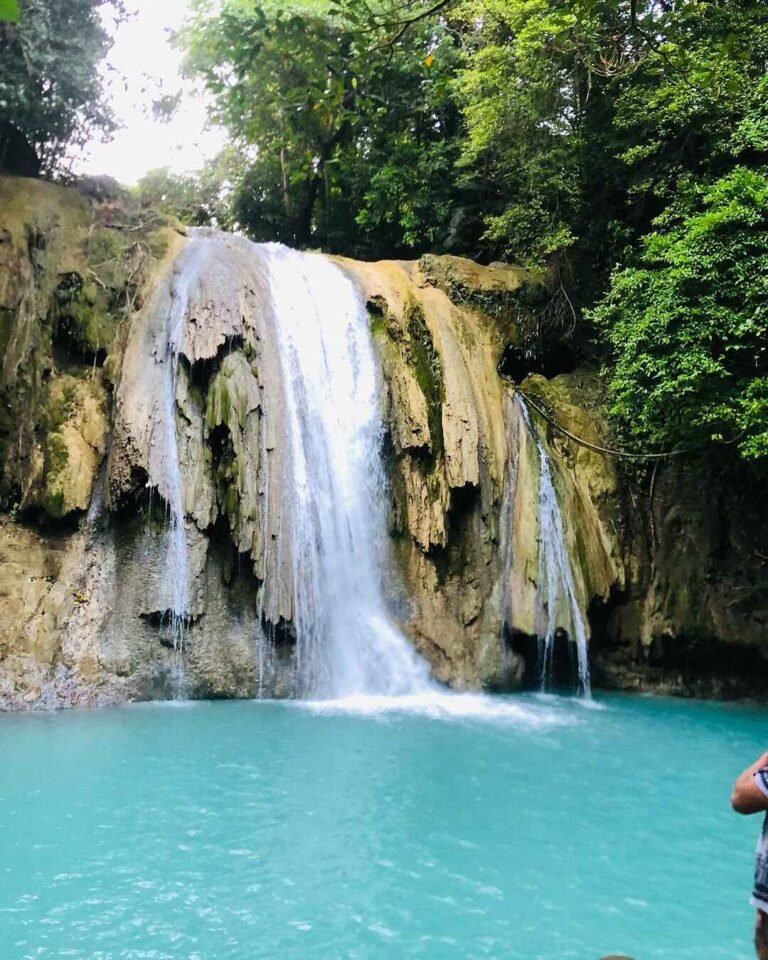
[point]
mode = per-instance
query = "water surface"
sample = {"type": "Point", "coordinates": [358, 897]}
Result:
{"type": "Point", "coordinates": [539, 829]}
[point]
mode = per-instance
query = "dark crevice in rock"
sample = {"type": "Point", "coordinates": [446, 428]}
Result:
{"type": "Point", "coordinates": [142, 504]}
{"type": "Point", "coordinates": [551, 360]}
{"type": "Point", "coordinates": [224, 463]}
{"type": "Point", "coordinates": [600, 612]}
{"type": "Point", "coordinates": [378, 306]}
{"type": "Point", "coordinates": [511, 670]}
{"type": "Point", "coordinates": [464, 500]}
{"type": "Point", "coordinates": [459, 555]}
{"type": "Point", "coordinates": [10, 495]}
{"type": "Point", "coordinates": [132, 491]}
{"type": "Point", "coordinates": [202, 371]}
{"type": "Point", "coordinates": [563, 672]}
{"type": "Point", "coordinates": [167, 618]}
{"type": "Point", "coordinates": [235, 566]}
{"type": "Point", "coordinates": [220, 443]}
{"type": "Point", "coordinates": [42, 520]}
{"type": "Point", "coordinates": [282, 634]}
{"type": "Point", "coordinates": [69, 352]}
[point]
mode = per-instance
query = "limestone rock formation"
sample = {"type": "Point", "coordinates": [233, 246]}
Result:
{"type": "Point", "coordinates": [141, 399]}
{"type": "Point", "coordinates": [68, 284]}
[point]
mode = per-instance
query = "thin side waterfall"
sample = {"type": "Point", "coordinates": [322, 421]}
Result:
{"type": "Point", "coordinates": [347, 644]}
{"type": "Point", "coordinates": [555, 578]}
{"type": "Point", "coordinates": [175, 546]}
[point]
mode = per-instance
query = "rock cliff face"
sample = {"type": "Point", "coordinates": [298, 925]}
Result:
{"type": "Point", "coordinates": [129, 349]}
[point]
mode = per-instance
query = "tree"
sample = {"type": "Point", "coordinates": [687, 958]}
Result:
{"type": "Point", "coordinates": [50, 87]}
{"type": "Point", "coordinates": [689, 324]}
{"type": "Point", "coordinates": [351, 147]}
{"type": "Point", "coordinates": [197, 199]}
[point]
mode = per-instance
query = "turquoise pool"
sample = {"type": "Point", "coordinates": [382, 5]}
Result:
{"type": "Point", "coordinates": [237, 831]}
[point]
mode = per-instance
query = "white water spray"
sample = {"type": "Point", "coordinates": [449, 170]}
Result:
{"type": "Point", "coordinates": [347, 643]}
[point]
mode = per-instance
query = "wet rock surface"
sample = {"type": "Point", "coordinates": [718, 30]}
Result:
{"type": "Point", "coordinates": [669, 570]}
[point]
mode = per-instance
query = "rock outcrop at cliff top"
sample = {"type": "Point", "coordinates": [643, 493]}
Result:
{"type": "Point", "coordinates": [93, 419]}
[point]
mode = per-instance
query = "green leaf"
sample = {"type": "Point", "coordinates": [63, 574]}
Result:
{"type": "Point", "coordinates": [9, 10]}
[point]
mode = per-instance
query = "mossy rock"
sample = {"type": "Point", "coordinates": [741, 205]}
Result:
{"type": "Point", "coordinates": [82, 323]}
{"type": "Point", "coordinates": [424, 360]}
{"type": "Point", "coordinates": [74, 444]}
{"type": "Point", "coordinates": [510, 295]}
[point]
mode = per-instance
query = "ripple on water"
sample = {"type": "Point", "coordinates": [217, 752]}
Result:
{"type": "Point", "coordinates": [445, 825]}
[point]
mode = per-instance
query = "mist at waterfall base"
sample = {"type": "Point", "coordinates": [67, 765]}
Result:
{"type": "Point", "coordinates": [247, 831]}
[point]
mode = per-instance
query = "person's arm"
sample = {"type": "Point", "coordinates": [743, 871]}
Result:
{"type": "Point", "coordinates": [750, 792]}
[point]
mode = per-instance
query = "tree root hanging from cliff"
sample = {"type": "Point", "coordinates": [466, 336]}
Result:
{"type": "Point", "coordinates": [606, 451]}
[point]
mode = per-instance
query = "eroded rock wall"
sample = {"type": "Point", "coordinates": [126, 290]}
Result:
{"type": "Point", "coordinates": [693, 619]}
{"type": "Point", "coordinates": [129, 348]}
{"type": "Point", "coordinates": [87, 287]}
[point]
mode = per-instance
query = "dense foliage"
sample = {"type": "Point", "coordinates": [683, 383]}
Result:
{"type": "Point", "coordinates": [351, 146]}
{"type": "Point", "coordinates": [50, 86]}
{"type": "Point", "coordinates": [686, 312]}
{"type": "Point", "coordinates": [689, 323]}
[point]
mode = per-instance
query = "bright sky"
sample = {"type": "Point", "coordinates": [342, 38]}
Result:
{"type": "Point", "coordinates": [146, 67]}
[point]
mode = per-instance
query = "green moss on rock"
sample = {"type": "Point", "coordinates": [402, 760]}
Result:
{"type": "Point", "coordinates": [59, 406]}
{"type": "Point", "coordinates": [425, 361]}
{"type": "Point", "coordinates": [219, 406]}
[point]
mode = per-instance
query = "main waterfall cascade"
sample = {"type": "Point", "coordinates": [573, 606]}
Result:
{"type": "Point", "coordinates": [346, 642]}
{"type": "Point", "coordinates": [556, 590]}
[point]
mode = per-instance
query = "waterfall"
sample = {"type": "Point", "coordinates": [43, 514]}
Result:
{"type": "Point", "coordinates": [334, 493]}
{"type": "Point", "coordinates": [168, 469]}
{"type": "Point", "coordinates": [555, 574]}
{"type": "Point", "coordinates": [304, 413]}
{"type": "Point", "coordinates": [507, 517]}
